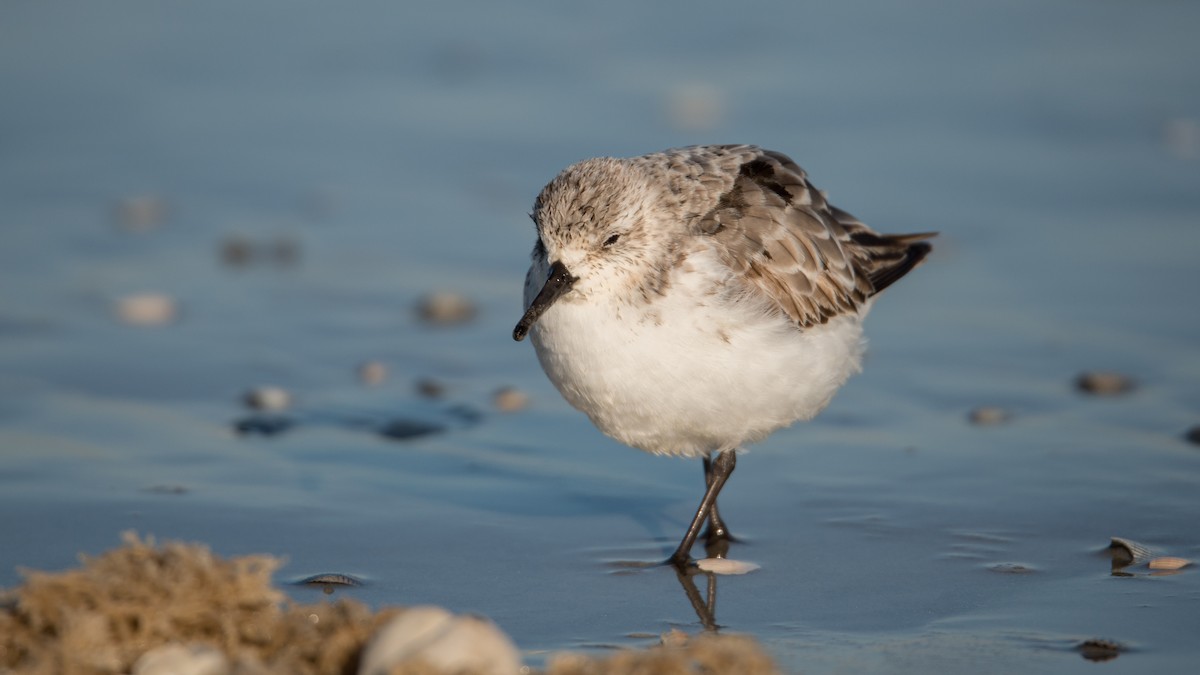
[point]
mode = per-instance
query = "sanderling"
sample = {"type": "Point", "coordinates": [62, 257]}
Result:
{"type": "Point", "coordinates": [695, 300]}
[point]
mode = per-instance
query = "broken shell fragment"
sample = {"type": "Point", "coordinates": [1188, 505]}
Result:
{"type": "Point", "coordinates": [268, 398]}
{"type": "Point", "coordinates": [510, 399]}
{"type": "Point", "coordinates": [1012, 568]}
{"type": "Point", "coordinates": [988, 415]}
{"type": "Point", "coordinates": [1100, 649]}
{"type": "Point", "coordinates": [1167, 562]}
{"type": "Point", "coordinates": [726, 566]}
{"type": "Point", "coordinates": [332, 579]}
{"type": "Point", "coordinates": [329, 582]}
{"type": "Point", "coordinates": [1103, 383]}
{"type": "Point", "coordinates": [444, 308]}
{"type": "Point", "coordinates": [146, 309]}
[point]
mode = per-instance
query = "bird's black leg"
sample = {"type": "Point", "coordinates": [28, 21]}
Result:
{"type": "Point", "coordinates": [716, 532]}
{"type": "Point", "coordinates": [721, 469]}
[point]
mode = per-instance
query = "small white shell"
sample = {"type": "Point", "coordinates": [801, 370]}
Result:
{"type": "Point", "coordinates": [146, 309]}
{"type": "Point", "coordinates": [509, 399]}
{"type": "Point", "coordinates": [445, 308]}
{"type": "Point", "coordinates": [987, 415]}
{"type": "Point", "coordinates": [726, 566]}
{"type": "Point", "coordinates": [268, 398]}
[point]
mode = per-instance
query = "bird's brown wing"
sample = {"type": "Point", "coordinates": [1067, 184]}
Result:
{"type": "Point", "coordinates": [775, 230]}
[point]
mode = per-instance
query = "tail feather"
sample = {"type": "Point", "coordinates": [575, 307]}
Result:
{"type": "Point", "coordinates": [893, 255]}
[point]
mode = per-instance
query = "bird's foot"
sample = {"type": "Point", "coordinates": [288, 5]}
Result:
{"type": "Point", "coordinates": [682, 561]}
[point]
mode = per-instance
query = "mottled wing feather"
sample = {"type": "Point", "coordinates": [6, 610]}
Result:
{"type": "Point", "coordinates": [884, 257]}
{"type": "Point", "coordinates": [778, 232]}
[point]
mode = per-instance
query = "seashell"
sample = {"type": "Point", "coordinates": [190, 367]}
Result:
{"type": "Point", "coordinates": [510, 399]}
{"type": "Point", "coordinates": [329, 582]}
{"type": "Point", "coordinates": [444, 308]}
{"type": "Point", "coordinates": [1128, 552]}
{"type": "Point", "coordinates": [1011, 568]}
{"type": "Point", "coordinates": [988, 415]}
{"type": "Point", "coordinates": [1099, 650]}
{"type": "Point", "coordinates": [331, 579]}
{"type": "Point", "coordinates": [147, 309]}
{"type": "Point", "coordinates": [268, 398]}
{"type": "Point", "coordinates": [725, 566]}
{"type": "Point", "coordinates": [1103, 383]}
{"type": "Point", "coordinates": [1167, 562]}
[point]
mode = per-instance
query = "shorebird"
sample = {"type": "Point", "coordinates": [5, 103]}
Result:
{"type": "Point", "coordinates": [695, 300]}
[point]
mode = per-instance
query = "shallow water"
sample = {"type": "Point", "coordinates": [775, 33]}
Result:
{"type": "Point", "coordinates": [1054, 146]}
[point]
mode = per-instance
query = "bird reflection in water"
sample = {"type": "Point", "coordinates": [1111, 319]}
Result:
{"type": "Point", "coordinates": [714, 565]}
{"type": "Point", "coordinates": [706, 605]}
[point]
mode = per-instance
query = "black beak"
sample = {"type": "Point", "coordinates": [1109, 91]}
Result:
{"type": "Point", "coordinates": [560, 282]}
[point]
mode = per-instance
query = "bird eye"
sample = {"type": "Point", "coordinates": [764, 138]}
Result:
{"type": "Point", "coordinates": [611, 240]}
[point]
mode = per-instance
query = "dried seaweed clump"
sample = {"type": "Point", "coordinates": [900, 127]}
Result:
{"type": "Point", "coordinates": [101, 617]}
{"type": "Point", "coordinates": [175, 600]}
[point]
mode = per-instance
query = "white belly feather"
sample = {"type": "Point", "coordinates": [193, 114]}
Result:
{"type": "Point", "coordinates": [686, 376]}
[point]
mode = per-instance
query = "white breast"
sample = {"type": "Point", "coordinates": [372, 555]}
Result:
{"type": "Point", "coordinates": [692, 372]}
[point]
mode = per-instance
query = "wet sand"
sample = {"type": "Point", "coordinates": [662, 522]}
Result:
{"type": "Point", "coordinates": [311, 181]}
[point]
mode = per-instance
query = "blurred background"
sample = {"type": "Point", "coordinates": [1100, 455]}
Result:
{"type": "Point", "coordinates": [259, 266]}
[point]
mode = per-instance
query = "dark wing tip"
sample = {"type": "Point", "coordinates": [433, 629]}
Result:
{"type": "Point", "coordinates": [914, 251]}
